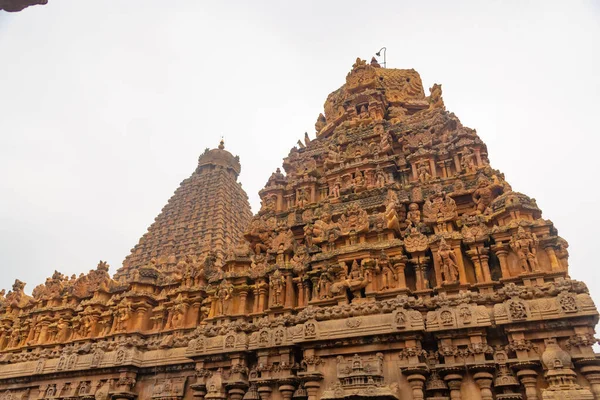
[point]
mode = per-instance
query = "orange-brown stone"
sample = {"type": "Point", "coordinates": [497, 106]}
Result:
{"type": "Point", "coordinates": [389, 261]}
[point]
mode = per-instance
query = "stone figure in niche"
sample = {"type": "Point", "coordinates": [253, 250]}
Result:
{"type": "Point", "coordinates": [277, 283]}
{"type": "Point", "coordinates": [224, 293]}
{"type": "Point", "coordinates": [413, 216]}
{"type": "Point", "coordinates": [484, 194]}
{"type": "Point", "coordinates": [123, 315]}
{"type": "Point", "coordinates": [524, 244]}
{"type": "Point", "coordinates": [423, 171]}
{"type": "Point", "coordinates": [386, 143]}
{"type": "Point", "coordinates": [324, 285]}
{"type": "Point", "coordinates": [302, 198]}
{"type": "Point", "coordinates": [380, 176]}
{"type": "Point", "coordinates": [387, 275]}
{"type": "Point", "coordinates": [448, 263]}
{"type": "Point", "coordinates": [467, 161]}
{"type": "Point", "coordinates": [334, 191]}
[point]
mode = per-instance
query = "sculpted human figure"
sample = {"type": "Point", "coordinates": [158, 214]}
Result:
{"type": "Point", "coordinates": [524, 244]}
{"type": "Point", "coordinates": [323, 286]}
{"type": "Point", "coordinates": [123, 315]}
{"type": "Point", "coordinates": [385, 143]}
{"type": "Point", "coordinates": [414, 214]}
{"type": "Point", "coordinates": [223, 294]}
{"type": "Point", "coordinates": [302, 198]}
{"type": "Point", "coordinates": [467, 161]}
{"type": "Point", "coordinates": [277, 283]}
{"type": "Point", "coordinates": [334, 192]}
{"type": "Point", "coordinates": [381, 179]}
{"type": "Point", "coordinates": [388, 276]}
{"type": "Point", "coordinates": [363, 112]}
{"type": "Point", "coordinates": [448, 263]}
{"type": "Point", "coordinates": [359, 180]}
{"type": "Point", "coordinates": [423, 172]}
{"type": "Point", "coordinates": [391, 216]}
{"type": "Point", "coordinates": [333, 156]}
{"type": "Point", "coordinates": [483, 195]}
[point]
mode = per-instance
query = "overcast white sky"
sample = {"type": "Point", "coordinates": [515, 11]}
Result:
{"type": "Point", "coordinates": [106, 105]}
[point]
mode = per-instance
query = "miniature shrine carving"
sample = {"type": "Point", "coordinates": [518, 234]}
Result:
{"type": "Point", "coordinates": [388, 260]}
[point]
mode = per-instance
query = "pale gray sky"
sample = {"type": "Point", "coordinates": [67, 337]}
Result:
{"type": "Point", "coordinates": [105, 106]}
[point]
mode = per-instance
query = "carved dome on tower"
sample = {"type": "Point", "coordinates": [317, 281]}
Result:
{"type": "Point", "coordinates": [221, 158]}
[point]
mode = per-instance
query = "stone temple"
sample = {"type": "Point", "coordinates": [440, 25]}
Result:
{"type": "Point", "coordinates": [389, 261]}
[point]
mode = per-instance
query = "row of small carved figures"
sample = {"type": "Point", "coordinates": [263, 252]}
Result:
{"type": "Point", "coordinates": [355, 309]}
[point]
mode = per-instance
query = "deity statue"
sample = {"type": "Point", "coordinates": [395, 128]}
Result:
{"type": "Point", "coordinates": [414, 214]}
{"type": "Point", "coordinates": [302, 198]}
{"type": "Point", "coordinates": [448, 263]}
{"type": "Point", "coordinates": [224, 293]}
{"type": "Point", "coordinates": [483, 195]}
{"type": "Point", "coordinates": [123, 315]}
{"type": "Point", "coordinates": [381, 180]}
{"type": "Point", "coordinates": [323, 286]}
{"type": "Point", "coordinates": [391, 216]}
{"type": "Point", "coordinates": [423, 171]}
{"type": "Point", "coordinates": [467, 161]}
{"type": "Point", "coordinates": [524, 244]}
{"type": "Point", "coordinates": [385, 143]}
{"type": "Point", "coordinates": [334, 191]}
{"type": "Point", "coordinates": [277, 284]}
{"type": "Point", "coordinates": [387, 274]}
{"type": "Point", "coordinates": [333, 157]}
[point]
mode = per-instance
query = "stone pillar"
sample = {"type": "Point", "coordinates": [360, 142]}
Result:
{"type": "Point", "coordinates": [312, 388]}
{"type": "Point", "coordinates": [286, 391]}
{"type": "Point", "coordinates": [289, 291]}
{"type": "Point", "coordinates": [399, 267]}
{"type": "Point", "coordinates": [457, 164]}
{"type": "Point", "coordinates": [432, 168]}
{"type": "Point", "coordinates": [264, 391]}
{"type": "Point", "coordinates": [552, 256]}
{"type": "Point", "coordinates": [416, 382]}
{"type": "Point", "coordinates": [235, 393]}
{"type": "Point", "coordinates": [592, 374]}
{"type": "Point", "coordinates": [300, 286]}
{"type": "Point", "coordinates": [501, 251]}
{"type": "Point", "coordinates": [414, 171]}
{"type": "Point", "coordinates": [479, 257]}
{"type": "Point", "coordinates": [262, 292]}
{"type": "Point", "coordinates": [484, 381]}
{"type": "Point", "coordinates": [420, 263]}
{"type": "Point", "coordinates": [199, 391]}
{"type": "Point", "coordinates": [256, 299]}
{"type": "Point", "coordinates": [462, 273]}
{"type": "Point", "coordinates": [528, 378]}
{"type": "Point", "coordinates": [454, 381]}
{"type": "Point", "coordinates": [242, 304]}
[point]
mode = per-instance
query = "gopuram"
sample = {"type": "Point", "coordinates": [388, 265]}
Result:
{"type": "Point", "coordinates": [389, 260]}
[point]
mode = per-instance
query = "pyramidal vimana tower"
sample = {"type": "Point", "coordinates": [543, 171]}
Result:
{"type": "Point", "coordinates": [389, 261]}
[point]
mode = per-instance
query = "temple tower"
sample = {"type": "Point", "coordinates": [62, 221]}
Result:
{"type": "Point", "coordinates": [208, 212]}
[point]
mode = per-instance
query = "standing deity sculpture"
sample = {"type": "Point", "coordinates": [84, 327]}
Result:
{"type": "Point", "coordinates": [413, 217]}
{"type": "Point", "coordinates": [524, 244]}
{"type": "Point", "coordinates": [223, 293]}
{"type": "Point", "coordinates": [380, 177]}
{"type": "Point", "coordinates": [335, 188]}
{"type": "Point", "coordinates": [123, 315]}
{"type": "Point", "coordinates": [277, 284]}
{"type": "Point", "coordinates": [483, 195]}
{"type": "Point", "coordinates": [448, 263]}
{"type": "Point", "coordinates": [388, 275]}
{"type": "Point", "coordinates": [302, 199]}
{"type": "Point", "coordinates": [423, 171]}
{"type": "Point", "coordinates": [467, 161]}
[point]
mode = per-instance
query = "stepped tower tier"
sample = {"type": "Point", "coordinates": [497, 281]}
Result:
{"type": "Point", "coordinates": [208, 213]}
{"type": "Point", "coordinates": [389, 260]}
